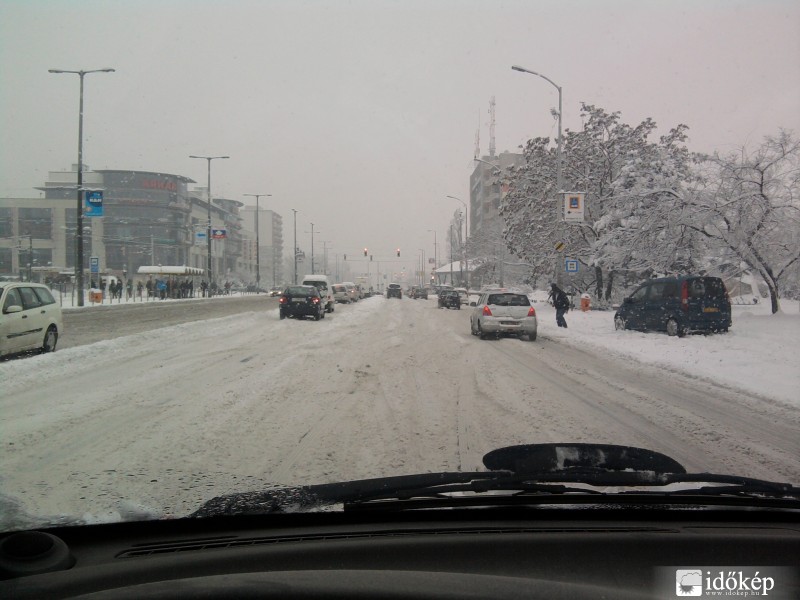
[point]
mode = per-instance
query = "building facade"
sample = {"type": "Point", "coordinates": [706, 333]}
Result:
{"type": "Point", "coordinates": [486, 190]}
{"type": "Point", "coordinates": [148, 218]}
{"type": "Point", "coordinates": [270, 240]}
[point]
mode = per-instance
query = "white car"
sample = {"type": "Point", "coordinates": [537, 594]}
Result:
{"type": "Point", "coordinates": [503, 312]}
{"type": "Point", "coordinates": [30, 318]}
{"type": "Point", "coordinates": [353, 291]}
{"type": "Point", "coordinates": [341, 293]}
{"type": "Point", "coordinates": [325, 288]}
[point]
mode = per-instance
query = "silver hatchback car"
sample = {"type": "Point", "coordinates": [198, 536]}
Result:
{"type": "Point", "coordinates": [503, 312]}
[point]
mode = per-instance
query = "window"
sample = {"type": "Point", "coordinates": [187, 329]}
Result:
{"type": "Point", "coordinates": [639, 295]}
{"type": "Point", "coordinates": [29, 298]}
{"type": "Point", "coordinates": [12, 299]}
{"type": "Point", "coordinates": [44, 295]}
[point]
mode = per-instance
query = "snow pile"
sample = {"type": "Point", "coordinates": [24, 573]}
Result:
{"type": "Point", "coordinates": [758, 354]}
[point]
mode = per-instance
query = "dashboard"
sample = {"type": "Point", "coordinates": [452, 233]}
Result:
{"type": "Point", "coordinates": [453, 553]}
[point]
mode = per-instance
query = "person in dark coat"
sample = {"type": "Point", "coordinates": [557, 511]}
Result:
{"type": "Point", "coordinates": [560, 302]}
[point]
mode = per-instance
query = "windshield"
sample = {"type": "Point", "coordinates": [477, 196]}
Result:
{"type": "Point", "coordinates": [232, 151]}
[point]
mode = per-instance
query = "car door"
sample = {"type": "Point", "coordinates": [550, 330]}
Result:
{"type": "Point", "coordinates": [634, 313]}
{"type": "Point", "coordinates": [17, 328]}
{"type": "Point", "coordinates": [655, 309]}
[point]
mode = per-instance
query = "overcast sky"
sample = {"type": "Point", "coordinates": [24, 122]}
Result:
{"type": "Point", "coordinates": [363, 114]}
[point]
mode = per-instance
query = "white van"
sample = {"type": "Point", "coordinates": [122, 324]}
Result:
{"type": "Point", "coordinates": [325, 288]}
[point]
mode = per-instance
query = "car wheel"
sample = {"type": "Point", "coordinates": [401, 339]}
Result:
{"type": "Point", "coordinates": [619, 323]}
{"type": "Point", "coordinates": [472, 327]}
{"type": "Point", "coordinates": [283, 316]}
{"type": "Point", "coordinates": [673, 328]}
{"type": "Point", "coordinates": [481, 333]}
{"type": "Point", "coordinates": [317, 316]}
{"type": "Point", "coordinates": [322, 314]}
{"type": "Point", "coordinates": [532, 337]}
{"type": "Point", "coordinates": [50, 339]}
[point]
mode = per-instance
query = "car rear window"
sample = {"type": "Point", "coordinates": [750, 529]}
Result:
{"type": "Point", "coordinates": [508, 300]}
{"type": "Point", "coordinates": [339, 288]}
{"type": "Point", "coordinates": [706, 287]}
{"type": "Point", "coordinates": [299, 291]}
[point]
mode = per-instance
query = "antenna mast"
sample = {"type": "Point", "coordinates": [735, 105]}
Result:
{"type": "Point", "coordinates": [478, 137]}
{"type": "Point", "coordinates": [491, 127]}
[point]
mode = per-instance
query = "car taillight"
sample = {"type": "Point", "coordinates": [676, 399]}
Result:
{"type": "Point", "coordinates": [685, 295]}
{"type": "Point", "coordinates": [531, 312]}
{"type": "Point", "coordinates": [487, 312]}
{"type": "Point", "coordinates": [282, 300]}
{"type": "Point", "coordinates": [315, 300]}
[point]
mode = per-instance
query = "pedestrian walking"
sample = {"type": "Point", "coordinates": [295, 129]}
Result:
{"type": "Point", "coordinates": [560, 302]}
{"type": "Point", "coordinates": [139, 287]}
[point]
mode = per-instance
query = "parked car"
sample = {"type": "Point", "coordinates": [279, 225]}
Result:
{"type": "Point", "coordinates": [302, 301]}
{"type": "Point", "coordinates": [341, 294]}
{"type": "Point", "coordinates": [503, 313]}
{"type": "Point", "coordinates": [449, 299]}
{"type": "Point", "coordinates": [393, 290]}
{"type": "Point", "coordinates": [324, 286]}
{"type": "Point", "coordinates": [419, 292]}
{"type": "Point", "coordinates": [30, 318]}
{"type": "Point", "coordinates": [677, 305]}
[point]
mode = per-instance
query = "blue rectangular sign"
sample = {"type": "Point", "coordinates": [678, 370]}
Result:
{"type": "Point", "coordinates": [94, 264]}
{"type": "Point", "coordinates": [571, 265]}
{"type": "Point", "coordinates": [93, 204]}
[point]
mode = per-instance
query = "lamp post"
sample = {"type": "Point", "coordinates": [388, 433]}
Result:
{"type": "Point", "coordinates": [295, 245]}
{"type": "Point", "coordinates": [258, 244]}
{"type": "Point", "coordinates": [208, 225]}
{"type": "Point", "coordinates": [79, 237]}
{"type": "Point", "coordinates": [559, 169]}
{"type": "Point", "coordinates": [466, 237]}
{"type": "Point", "coordinates": [435, 250]}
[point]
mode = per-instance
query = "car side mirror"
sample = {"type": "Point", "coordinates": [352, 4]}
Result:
{"type": "Point", "coordinates": [628, 300]}
{"type": "Point", "coordinates": [473, 304]}
{"type": "Point", "coordinates": [14, 308]}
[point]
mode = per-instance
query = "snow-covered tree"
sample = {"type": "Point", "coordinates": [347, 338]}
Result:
{"type": "Point", "coordinates": [625, 177]}
{"type": "Point", "coordinates": [751, 207]}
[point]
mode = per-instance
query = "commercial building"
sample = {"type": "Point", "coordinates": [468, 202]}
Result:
{"type": "Point", "coordinates": [486, 190]}
{"type": "Point", "coordinates": [149, 218]}
{"type": "Point", "coordinates": [270, 239]}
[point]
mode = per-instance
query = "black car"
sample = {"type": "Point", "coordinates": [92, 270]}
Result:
{"type": "Point", "coordinates": [302, 301]}
{"type": "Point", "coordinates": [677, 305]}
{"type": "Point", "coordinates": [394, 291]}
{"type": "Point", "coordinates": [419, 292]}
{"type": "Point", "coordinates": [449, 299]}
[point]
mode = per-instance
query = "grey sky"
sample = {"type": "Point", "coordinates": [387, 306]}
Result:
{"type": "Point", "coordinates": [363, 114]}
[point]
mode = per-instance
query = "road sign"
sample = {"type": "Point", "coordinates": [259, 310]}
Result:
{"type": "Point", "coordinates": [93, 204]}
{"type": "Point", "coordinates": [573, 207]}
{"type": "Point", "coordinates": [94, 264]}
{"type": "Point", "coordinates": [218, 234]}
{"type": "Point", "coordinates": [559, 246]}
{"type": "Point", "coordinates": [200, 238]}
{"type": "Point", "coordinates": [571, 265]}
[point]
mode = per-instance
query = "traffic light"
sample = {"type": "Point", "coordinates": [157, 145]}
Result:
{"type": "Point", "coordinates": [365, 251]}
{"type": "Point", "coordinates": [398, 252]}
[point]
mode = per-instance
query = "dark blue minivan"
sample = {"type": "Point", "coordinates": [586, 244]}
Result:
{"type": "Point", "coordinates": [677, 305]}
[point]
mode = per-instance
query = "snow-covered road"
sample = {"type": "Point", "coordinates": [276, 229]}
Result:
{"type": "Point", "coordinates": [169, 418]}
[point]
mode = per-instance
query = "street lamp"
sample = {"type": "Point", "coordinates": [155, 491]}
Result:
{"type": "Point", "coordinates": [559, 182]}
{"type": "Point", "coordinates": [294, 250]}
{"type": "Point", "coordinates": [258, 244]}
{"type": "Point", "coordinates": [466, 238]}
{"type": "Point", "coordinates": [435, 250]}
{"type": "Point", "coordinates": [79, 237]}
{"type": "Point", "coordinates": [208, 226]}
{"type": "Point", "coordinates": [559, 171]}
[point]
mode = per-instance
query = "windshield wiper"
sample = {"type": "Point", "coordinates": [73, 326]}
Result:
{"type": "Point", "coordinates": [540, 472]}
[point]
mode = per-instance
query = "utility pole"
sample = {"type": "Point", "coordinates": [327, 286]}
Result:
{"type": "Point", "coordinates": [258, 245]}
{"type": "Point", "coordinates": [295, 246]}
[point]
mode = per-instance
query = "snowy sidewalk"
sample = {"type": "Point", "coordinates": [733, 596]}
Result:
{"type": "Point", "coordinates": [759, 353]}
